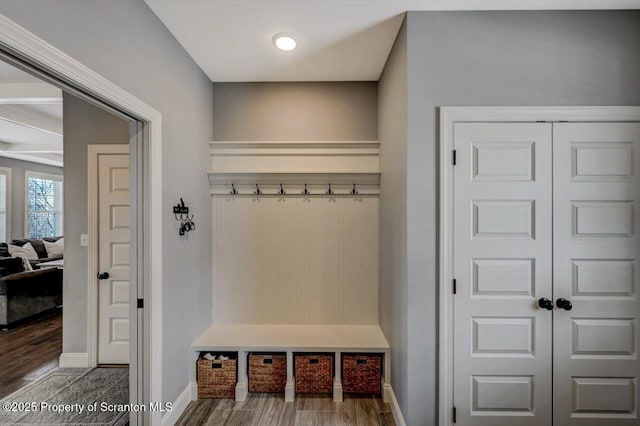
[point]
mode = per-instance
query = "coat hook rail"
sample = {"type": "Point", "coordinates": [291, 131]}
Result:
{"type": "Point", "coordinates": [345, 189]}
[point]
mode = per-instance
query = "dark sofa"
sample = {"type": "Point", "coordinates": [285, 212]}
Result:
{"type": "Point", "coordinates": [24, 294]}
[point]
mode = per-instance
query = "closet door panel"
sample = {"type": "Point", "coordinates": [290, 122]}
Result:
{"type": "Point", "coordinates": [596, 195]}
{"type": "Point", "coordinates": [502, 240]}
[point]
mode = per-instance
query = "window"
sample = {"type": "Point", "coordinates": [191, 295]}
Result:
{"type": "Point", "coordinates": [5, 202]}
{"type": "Point", "coordinates": [44, 205]}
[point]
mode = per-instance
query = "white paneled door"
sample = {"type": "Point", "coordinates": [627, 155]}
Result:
{"type": "Point", "coordinates": [503, 236]}
{"type": "Point", "coordinates": [113, 259]}
{"type": "Point", "coordinates": [545, 246]}
{"type": "Point", "coordinates": [596, 217]}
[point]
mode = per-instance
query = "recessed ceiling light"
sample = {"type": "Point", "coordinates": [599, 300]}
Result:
{"type": "Point", "coordinates": [284, 42]}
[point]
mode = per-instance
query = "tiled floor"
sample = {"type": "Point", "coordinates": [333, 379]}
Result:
{"type": "Point", "coordinates": [67, 387]}
{"type": "Point", "coordinates": [269, 409]}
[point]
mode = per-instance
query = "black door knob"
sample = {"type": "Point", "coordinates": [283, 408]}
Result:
{"type": "Point", "coordinates": [103, 276]}
{"type": "Point", "coordinates": [545, 303]}
{"type": "Point", "coordinates": [564, 304]}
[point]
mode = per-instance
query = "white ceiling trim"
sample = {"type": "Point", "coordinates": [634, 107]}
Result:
{"type": "Point", "coordinates": [30, 101]}
{"type": "Point", "coordinates": [50, 160]}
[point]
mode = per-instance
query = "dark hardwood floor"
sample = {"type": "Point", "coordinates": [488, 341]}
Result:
{"type": "Point", "coordinates": [270, 409]}
{"type": "Point", "coordinates": [29, 351]}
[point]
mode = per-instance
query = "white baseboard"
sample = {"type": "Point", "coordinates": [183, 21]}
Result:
{"type": "Point", "coordinates": [180, 404]}
{"type": "Point", "coordinates": [74, 360]}
{"type": "Point", "coordinates": [395, 409]}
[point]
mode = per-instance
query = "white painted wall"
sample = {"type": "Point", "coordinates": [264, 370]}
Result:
{"type": "Point", "coordinates": [295, 261]}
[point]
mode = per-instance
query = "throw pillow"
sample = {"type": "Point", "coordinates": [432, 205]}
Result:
{"type": "Point", "coordinates": [26, 264]}
{"type": "Point", "coordinates": [36, 243]}
{"type": "Point", "coordinates": [54, 249]}
{"type": "Point", "coordinates": [24, 251]}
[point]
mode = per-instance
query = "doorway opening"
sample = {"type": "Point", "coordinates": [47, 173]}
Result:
{"type": "Point", "coordinates": [30, 54]}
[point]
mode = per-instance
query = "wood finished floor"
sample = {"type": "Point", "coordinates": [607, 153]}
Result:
{"type": "Point", "coordinates": [307, 410]}
{"type": "Point", "coordinates": [29, 351]}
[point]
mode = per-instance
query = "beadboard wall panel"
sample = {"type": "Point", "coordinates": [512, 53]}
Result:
{"type": "Point", "coordinates": [295, 260]}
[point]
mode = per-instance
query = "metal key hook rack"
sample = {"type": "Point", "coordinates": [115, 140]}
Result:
{"type": "Point", "coordinates": [181, 213]}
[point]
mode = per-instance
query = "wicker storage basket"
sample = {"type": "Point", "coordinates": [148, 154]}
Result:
{"type": "Point", "coordinates": [361, 373]}
{"type": "Point", "coordinates": [267, 372]}
{"type": "Point", "coordinates": [314, 373]}
{"type": "Point", "coordinates": [217, 378]}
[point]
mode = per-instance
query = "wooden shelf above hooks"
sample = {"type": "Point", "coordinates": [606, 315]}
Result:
{"type": "Point", "coordinates": [271, 164]}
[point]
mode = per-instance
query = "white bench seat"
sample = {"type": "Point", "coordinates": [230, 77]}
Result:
{"type": "Point", "coordinates": [244, 338]}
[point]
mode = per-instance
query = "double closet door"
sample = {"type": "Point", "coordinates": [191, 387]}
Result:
{"type": "Point", "coordinates": [546, 247]}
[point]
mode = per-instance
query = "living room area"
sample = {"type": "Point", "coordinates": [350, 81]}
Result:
{"type": "Point", "coordinates": [46, 286]}
{"type": "Point", "coordinates": [31, 227]}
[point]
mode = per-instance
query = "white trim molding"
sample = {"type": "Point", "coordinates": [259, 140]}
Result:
{"type": "Point", "coordinates": [93, 153]}
{"type": "Point", "coordinates": [74, 360]}
{"type": "Point", "coordinates": [342, 164]}
{"type": "Point", "coordinates": [41, 175]}
{"type": "Point", "coordinates": [44, 56]}
{"type": "Point", "coordinates": [190, 393]}
{"type": "Point", "coordinates": [293, 182]}
{"type": "Point", "coordinates": [395, 409]}
{"type": "Point", "coordinates": [290, 148]}
{"type": "Point", "coordinates": [8, 202]}
{"type": "Point", "coordinates": [448, 117]}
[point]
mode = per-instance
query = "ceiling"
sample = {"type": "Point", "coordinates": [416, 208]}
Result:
{"type": "Point", "coordinates": [30, 117]}
{"type": "Point", "coordinates": [338, 40]}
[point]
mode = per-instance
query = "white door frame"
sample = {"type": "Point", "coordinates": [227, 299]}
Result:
{"type": "Point", "coordinates": [449, 116]}
{"type": "Point", "coordinates": [44, 56]}
{"type": "Point", "coordinates": [93, 152]}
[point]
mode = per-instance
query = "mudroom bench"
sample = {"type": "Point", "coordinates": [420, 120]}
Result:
{"type": "Point", "coordinates": [290, 339]}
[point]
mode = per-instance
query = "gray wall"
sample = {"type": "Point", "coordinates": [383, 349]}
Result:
{"type": "Point", "coordinates": [18, 168]}
{"type": "Point", "coordinates": [392, 133]}
{"type": "Point", "coordinates": [83, 124]}
{"type": "Point", "coordinates": [126, 43]}
{"type": "Point", "coordinates": [294, 111]}
{"type": "Point", "coordinates": [492, 58]}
